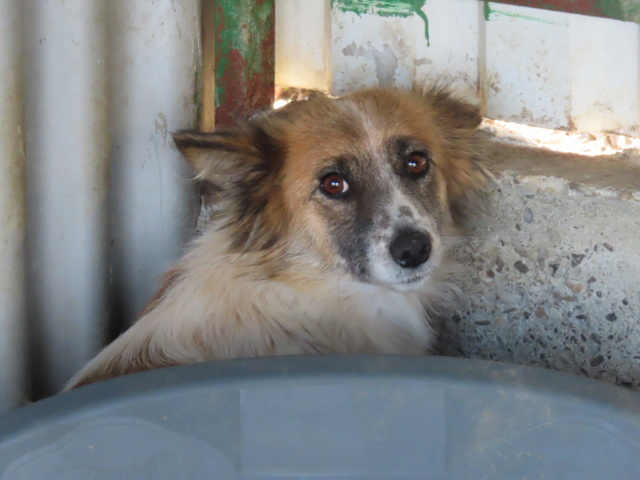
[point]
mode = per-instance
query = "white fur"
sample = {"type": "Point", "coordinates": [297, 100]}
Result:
{"type": "Point", "coordinates": [384, 270]}
{"type": "Point", "coordinates": [216, 311]}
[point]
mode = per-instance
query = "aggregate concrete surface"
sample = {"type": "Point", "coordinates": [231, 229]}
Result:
{"type": "Point", "coordinates": [552, 267]}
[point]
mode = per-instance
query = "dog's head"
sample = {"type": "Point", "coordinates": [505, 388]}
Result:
{"type": "Point", "coordinates": [365, 183]}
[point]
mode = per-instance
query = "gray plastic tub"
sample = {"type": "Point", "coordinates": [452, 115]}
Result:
{"type": "Point", "coordinates": [322, 417]}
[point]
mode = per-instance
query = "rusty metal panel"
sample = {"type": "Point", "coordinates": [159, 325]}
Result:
{"type": "Point", "coordinates": [244, 58]}
{"type": "Point", "coordinates": [628, 10]}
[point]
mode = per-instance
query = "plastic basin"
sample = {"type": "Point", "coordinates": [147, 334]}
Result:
{"type": "Point", "coordinates": [323, 417]}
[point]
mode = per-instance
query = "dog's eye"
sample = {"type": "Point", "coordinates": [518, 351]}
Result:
{"type": "Point", "coordinates": [417, 163]}
{"type": "Point", "coordinates": [334, 186]}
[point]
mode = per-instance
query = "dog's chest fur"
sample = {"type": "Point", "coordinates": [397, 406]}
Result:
{"type": "Point", "coordinates": [212, 310]}
{"type": "Point", "coordinates": [257, 316]}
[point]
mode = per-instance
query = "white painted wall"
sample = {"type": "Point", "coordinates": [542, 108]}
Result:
{"type": "Point", "coordinates": [302, 43]}
{"type": "Point", "coordinates": [605, 81]}
{"type": "Point", "coordinates": [528, 77]}
{"type": "Point", "coordinates": [526, 65]}
{"type": "Point", "coordinates": [383, 55]}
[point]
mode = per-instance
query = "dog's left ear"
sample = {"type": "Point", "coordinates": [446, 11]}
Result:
{"type": "Point", "coordinates": [452, 112]}
{"type": "Point", "coordinates": [464, 169]}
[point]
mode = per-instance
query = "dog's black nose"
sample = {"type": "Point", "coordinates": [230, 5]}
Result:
{"type": "Point", "coordinates": [410, 248]}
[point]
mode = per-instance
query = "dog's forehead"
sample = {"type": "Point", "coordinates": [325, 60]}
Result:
{"type": "Point", "coordinates": [362, 129]}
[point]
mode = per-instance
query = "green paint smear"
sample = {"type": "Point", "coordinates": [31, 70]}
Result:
{"type": "Point", "coordinates": [491, 13]}
{"type": "Point", "coordinates": [386, 8]}
{"type": "Point", "coordinates": [197, 101]}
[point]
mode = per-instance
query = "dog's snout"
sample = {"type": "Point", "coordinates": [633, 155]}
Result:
{"type": "Point", "coordinates": [410, 248]}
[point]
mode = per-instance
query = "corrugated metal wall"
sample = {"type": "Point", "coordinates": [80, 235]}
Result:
{"type": "Point", "coordinates": [90, 91]}
{"type": "Point", "coordinates": [12, 208]}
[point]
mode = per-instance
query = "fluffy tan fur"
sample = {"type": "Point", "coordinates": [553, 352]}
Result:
{"type": "Point", "coordinates": [265, 278]}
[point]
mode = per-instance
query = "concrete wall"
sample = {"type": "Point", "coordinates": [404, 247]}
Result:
{"type": "Point", "coordinates": [552, 270]}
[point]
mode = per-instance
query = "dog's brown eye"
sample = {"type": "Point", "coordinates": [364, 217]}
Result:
{"type": "Point", "coordinates": [333, 185]}
{"type": "Point", "coordinates": [417, 163]}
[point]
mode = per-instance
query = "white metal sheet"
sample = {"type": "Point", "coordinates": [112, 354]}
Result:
{"type": "Point", "coordinates": [302, 44]}
{"type": "Point", "coordinates": [369, 50]}
{"type": "Point", "coordinates": [528, 76]}
{"type": "Point", "coordinates": [605, 74]}
{"type": "Point", "coordinates": [455, 48]}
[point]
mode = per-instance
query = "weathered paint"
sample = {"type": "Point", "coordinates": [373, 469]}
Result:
{"type": "Point", "coordinates": [386, 8]}
{"type": "Point", "coordinates": [527, 70]}
{"type": "Point", "coordinates": [492, 13]}
{"type": "Point", "coordinates": [244, 58]}
{"type": "Point", "coordinates": [154, 52]}
{"type": "Point", "coordinates": [303, 44]}
{"type": "Point", "coordinates": [628, 10]}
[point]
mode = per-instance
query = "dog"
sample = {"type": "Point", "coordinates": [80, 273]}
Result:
{"type": "Point", "coordinates": [333, 217]}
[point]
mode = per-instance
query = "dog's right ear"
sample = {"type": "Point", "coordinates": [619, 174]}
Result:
{"type": "Point", "coordinates": [240, 164]}
{"type": "Point", "coordinates": [227, 157]}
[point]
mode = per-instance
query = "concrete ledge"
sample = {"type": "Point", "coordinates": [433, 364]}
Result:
{"type": "Point", "coordinates": [552, 270]}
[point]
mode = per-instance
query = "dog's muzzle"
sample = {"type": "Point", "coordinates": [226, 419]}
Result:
{"type": "Point", "coordinates": [410, 248]}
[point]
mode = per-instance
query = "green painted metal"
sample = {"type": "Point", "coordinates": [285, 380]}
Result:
{"type": "Point", "coordinates": [197, 97]}
{"type": "Point", "coordinates": [385, 8]}
{"type": "Point", "coordinates": [627, 10]}
{"type": "Point", "coordinates": [244, 58]}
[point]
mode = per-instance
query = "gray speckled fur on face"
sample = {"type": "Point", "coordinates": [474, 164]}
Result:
{"type": "Point", "coordinates": [383, 200]}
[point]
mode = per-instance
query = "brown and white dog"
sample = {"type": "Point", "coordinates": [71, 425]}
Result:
{"type": "Point", "coordinates": [331, 234]}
